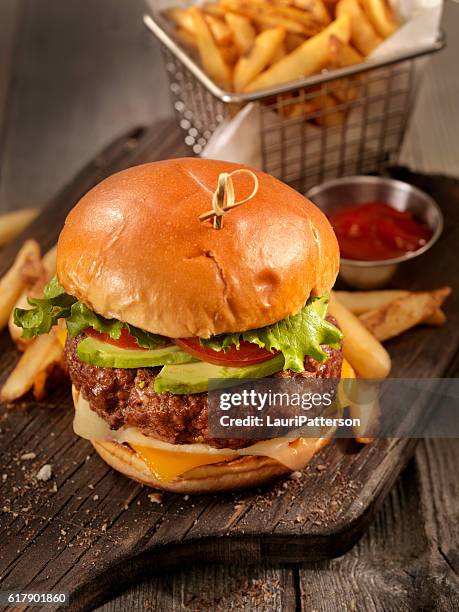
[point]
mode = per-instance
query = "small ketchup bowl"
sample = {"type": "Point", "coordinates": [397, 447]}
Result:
{"type": "Point", "coordinates": [339, 194]}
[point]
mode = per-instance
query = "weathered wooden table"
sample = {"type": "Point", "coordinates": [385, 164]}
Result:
{"type": "Point", "coordinates": [71, 78]}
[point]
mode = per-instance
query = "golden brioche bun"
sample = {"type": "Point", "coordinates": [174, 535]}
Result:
{"type": "Point", "coordinates": [134, 249]}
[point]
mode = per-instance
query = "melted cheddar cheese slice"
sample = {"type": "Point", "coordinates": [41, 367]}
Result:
{"type": "Point", "coordinates": [347, 371]}
{"type": "Point", "coordinates": [167, 465]}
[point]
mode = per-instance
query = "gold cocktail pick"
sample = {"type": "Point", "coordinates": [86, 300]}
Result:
{"type": "Point", "coordinates": [223, 198]}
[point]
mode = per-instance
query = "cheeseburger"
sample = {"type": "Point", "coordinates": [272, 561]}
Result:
{"type": "Point", "coordinates": [173, 273]}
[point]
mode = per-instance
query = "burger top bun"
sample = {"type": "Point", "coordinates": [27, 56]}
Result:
{"type": "Point", "coordinates": [134, 249]}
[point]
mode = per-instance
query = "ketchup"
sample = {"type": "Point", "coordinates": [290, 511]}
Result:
{"type": "Point", "coordinates": [375, 231]}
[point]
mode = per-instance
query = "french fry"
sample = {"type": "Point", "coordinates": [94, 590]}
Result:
{"type": "Point", "coordinates": [359, 302]}
{"type": "Point", "coordinates": [308, 58]}
{"type": "Point", "coordinates": [310, 23]}
{"type": "Point", "coordinates": [49, 261]}
{"type": "Point", "coordinates": [15, 280]}
{"type": "Point", "coordinates": [243, 32]}
{"type": "Point", "coordinates": [369, 416]}
{"type": "Point", "coordinates": [38, 359]}
{"type": "Point", "coordinates": [363, 35]}
{"type": "Point", "coordinates": [12, 223]}
{"type": "Point", "coordinates": [210, 54]}
{"type": "Point", "coordinates": [186, 37]}
{"type": "Point", "coordinates": [266, 45]}
{"type": "Point", "coordinates": [14, 330]}
{"type": "Point", "coordinates": [315, 7]}
{"type": "Point", "coordinates": [361, 398]}
{"type": "Point", "coordinates": [266, 15]}
{"type": "Point", "coordinates": [403, 313]}
{"type": "Point", "coordinates": [230, 54]}
{"type": "Point", "coordinates": [34, 288]}
{"type": "Point", "coordinates": [342, 55]}
{"type": "Point", "coordinates": [293, 41]}
{"type": "Point", "coordinates": [437, 319]}
{"type": "Point", "coordinates": [214, 9]}
{"type": "Point", "coordinates": [182, 18]}
{"type": "Point", "coordinates": [365, 354]}
{"type": "Point", "coordinates": [328, 118]}
{"type": "Point", "coordinates": [381, 16]}
{"type": "Point", "coordinates": [280, 53]}
{"type": "Point", "coordinates": [220, 30]}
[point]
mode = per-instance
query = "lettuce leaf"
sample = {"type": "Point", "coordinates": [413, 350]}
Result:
{"type": "Point", "coordinates": [45, 312]}
{"type": "Point", "coordinates": [81, 317]}
{"type": "Point", "coordinates": [146, 339]}
{"type": "Point", "coordinates": [295, 337]}
{"type": "Point", "coordinates": [56, 304]}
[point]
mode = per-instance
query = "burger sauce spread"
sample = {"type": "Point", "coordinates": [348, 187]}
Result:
{"type": "Point", "coordinates": [374, 231]}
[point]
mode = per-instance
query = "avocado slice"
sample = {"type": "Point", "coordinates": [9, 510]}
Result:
{"type": "Point", "coordinates": [194, 377]}
{"type": "Point", "coordinates": [107, 355]}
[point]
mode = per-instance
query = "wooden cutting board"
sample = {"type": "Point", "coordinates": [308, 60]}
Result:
{"type": "Point", "coordinates": [90, 531]}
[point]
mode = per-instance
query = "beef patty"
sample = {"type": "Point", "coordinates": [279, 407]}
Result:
{"type": "Point", "coordinates": [127, 397]}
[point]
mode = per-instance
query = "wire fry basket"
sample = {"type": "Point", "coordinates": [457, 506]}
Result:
{"type": "Point", "coordinates": [343, 122]}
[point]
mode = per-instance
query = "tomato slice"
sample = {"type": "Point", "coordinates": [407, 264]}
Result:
{"type": "Point", "coordinates": [125, 341]}
{"type": "Point", "coordinates": [247, 354]}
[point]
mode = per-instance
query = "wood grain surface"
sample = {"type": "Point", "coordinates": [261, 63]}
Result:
{"type": "Point", "coordinates": [90, 108]}
{"type": "Point", "coordinates": [92, 532]}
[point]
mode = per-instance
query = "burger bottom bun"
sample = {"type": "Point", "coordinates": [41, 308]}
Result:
{"type": "Point", "coordinates": [240, 473]}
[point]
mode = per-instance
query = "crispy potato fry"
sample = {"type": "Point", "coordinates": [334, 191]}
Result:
{"type": "Point", "coordinates": [14, 330]}
{"type": "Point", "coordinates": [304, 17]}
{"type": "Point", "coordinates": [12, 223]}
{"type": "Point", "coordinates": [359, 302]}
{"type": "Point", "coordinates": [214, 9]}
{"type": "Point", "coordinates": [362, 402]}
{"type": "Point", "coordinates": [437, 319]}
{"type": "Point", "coordinates": [230, 54]}
{"type": "Point", "coordinates": [280, 53]}
{"type": "Point", "coordinates": [182, 18]}
{"type": "Point", "coordinates": [39, 358]}
{"type": "Point", "coordinates": [363, 35]}
{"type": "Point", "coordinates": [211, 57]}
{"type": "Point", "coordinates": [16, 279]}
{"type": "Point", "coordinates": [220, 30]}
{"type": "Point", "coordinates": [266, 15]}
{"type": "Point", "coordinates": [293, 41]}
{"type": "Point", "coordinates": [368, 415]}
{"type": "Point", "coordinates": [49, 261]}
{"type": "Point", "coordinates": [186, 37]}
{"type": "Point", "coordinates": [329, 118]}
{"type": "Point", "coordinates": [266, 45]}
{"type": "Point", "coordinates": [347, 89]}
{"type": "Point", "coordinates": [403, 313]}
{"type": "Point", "coordinates": [34, 288]}
{"type": "Point", "coordinates": [381, 16]}
{"type": "Point", "coordinates": [342, 54]}
{"type": "Point", "coordinates": [315, 7]}
{"type": "Point", "coordinates": [243, 32]}
{"type": "Point", "coordinates": [307, 59]}
{"type": "Point", "coordinates": [365, 354]}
